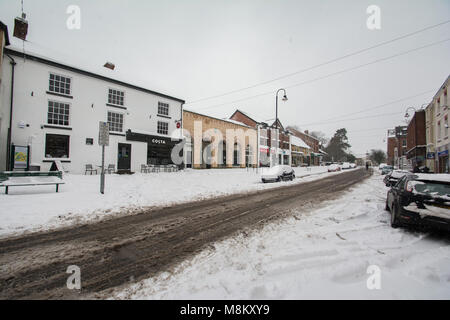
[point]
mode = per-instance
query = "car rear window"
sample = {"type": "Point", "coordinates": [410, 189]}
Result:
{"type": "Point", "coordinates": [432, 188]}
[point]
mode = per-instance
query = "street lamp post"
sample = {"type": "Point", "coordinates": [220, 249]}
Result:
{"type": "Point", "coordinates": [276, 114]}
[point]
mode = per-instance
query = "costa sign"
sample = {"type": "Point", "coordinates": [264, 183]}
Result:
{"type": "Point", "coordinates": [158, 141]}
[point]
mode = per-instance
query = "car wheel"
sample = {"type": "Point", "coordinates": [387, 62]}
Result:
{"type": "Point", "coordinates": [394, 216]}
{"type": "Point", "coordinates": [278, 179]}
{"type": "Point", "coordinates": [292, 177]}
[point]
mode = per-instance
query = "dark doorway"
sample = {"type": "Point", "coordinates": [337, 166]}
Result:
{"type": "Point", "coordinates": [124, 157]}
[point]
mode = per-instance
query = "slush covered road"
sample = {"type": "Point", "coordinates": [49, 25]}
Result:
{"type": "Point", "coordinates": [119, 251]}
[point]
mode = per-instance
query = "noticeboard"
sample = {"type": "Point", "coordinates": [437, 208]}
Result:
{"type": "Point", "coordinates": [20, 157]}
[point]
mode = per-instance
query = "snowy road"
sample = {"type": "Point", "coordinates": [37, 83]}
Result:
{"type": "Point", "coordinates": [322, 253]}
{"type": "Point", "coordinates": [116, 251]}
{"type": "Point", "coordinates": [37, 208]}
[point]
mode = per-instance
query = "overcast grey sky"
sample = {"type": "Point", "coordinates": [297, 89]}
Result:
{"type": "Point", "coordinates": [196, 49]}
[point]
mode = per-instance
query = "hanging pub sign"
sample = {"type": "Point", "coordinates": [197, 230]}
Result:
{"type": "Point", "coordinates": [20, 27]}
{"type": "Point", "coordinates": [20, 157]}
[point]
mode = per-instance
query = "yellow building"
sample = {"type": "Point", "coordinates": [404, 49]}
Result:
{"type": "Point", "coordinates": [218, 143]}
{"type": "Point", "coordinates": [430, 137]}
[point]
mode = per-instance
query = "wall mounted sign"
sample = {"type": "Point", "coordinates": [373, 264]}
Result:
{"type": "Point", "coordinates": [443, 153]}
{"type": "Point", "coordinates": [20, 157]}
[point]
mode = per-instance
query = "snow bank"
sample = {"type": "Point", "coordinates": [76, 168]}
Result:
{"type": "Point", "coordinates": [35, 208]}
{"type": "Point", "coordinates": [320, 254]}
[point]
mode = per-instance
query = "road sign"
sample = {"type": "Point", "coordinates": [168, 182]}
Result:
{"type": "Point", "coordinates": [103, 134]}
{"type": "Point", "coordinates": [103, 140]}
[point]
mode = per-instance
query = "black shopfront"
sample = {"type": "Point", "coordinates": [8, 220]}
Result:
{"type": "Point", "coordinates": [159, 149]}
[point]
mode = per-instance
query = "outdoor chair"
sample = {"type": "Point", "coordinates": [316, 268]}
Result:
{"type": "Point", "coordinates": [90, 169]}
{"type": "Point", "coordinates": [111, 168]}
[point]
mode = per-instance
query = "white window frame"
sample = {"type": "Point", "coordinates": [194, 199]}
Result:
{"type": "Point", "coordinates": [157, 127]}
{"type": "Point", "coordinates": [168, 109]}
{"type": "Point", "coordinates": [114, 104]}
{"type": "Point", "coordinates": [60, 75]}
{"type": "Point", "coordinates": [70, 113]}
{"type": "Point", "coordinates": [123, 120]}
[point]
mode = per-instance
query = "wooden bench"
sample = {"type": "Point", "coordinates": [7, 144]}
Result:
{"type": "Point", "coordinates": [30, 178]}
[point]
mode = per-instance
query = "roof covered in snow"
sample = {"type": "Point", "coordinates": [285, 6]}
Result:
{"type": "Point", "coordinates": [101, 75]}
{"type": "Point", "coordinates": [299, 142]}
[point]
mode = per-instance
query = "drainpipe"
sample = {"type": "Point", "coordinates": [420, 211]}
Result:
{"type": "Point", "coordinates": [8, 143]}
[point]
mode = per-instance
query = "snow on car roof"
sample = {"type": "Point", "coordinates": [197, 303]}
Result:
{"type": "Point", "coordinates": [441, 177]}
{"type": "Point", "coordinates": [399, 173]}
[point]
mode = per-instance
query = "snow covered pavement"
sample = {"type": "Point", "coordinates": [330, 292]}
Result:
{"type": "Point", "coordinates": [325, 253]}
{"type": "Point", "coordinates": [79, 200]}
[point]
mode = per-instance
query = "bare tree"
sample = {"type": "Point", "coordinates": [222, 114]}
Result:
{"type": "Point", "coordinates": [320, 136]}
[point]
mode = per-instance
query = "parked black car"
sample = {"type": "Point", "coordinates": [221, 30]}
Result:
{"type": "Point", "coordinates": [391, 178]}
{"type": "Point", "coordinates": [420, 199]}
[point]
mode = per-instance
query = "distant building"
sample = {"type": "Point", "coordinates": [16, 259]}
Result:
{"type": "Point", "coordinates": [300, 152]}
{"type": "Point", "coordinates": [442, 143]}
{"type": "Point", "coordinates": [315, 157]}
{"type": "Point", "coordinates": [282, 146]}
{"type": "Point", "coordinates": [397, 146]}
{"type": "Point", "coordinates": [416, 139]}
{"type": "Point", "coordinates": [430, 129]}
{"type": "Point", "coordinates": [267, 156]}
{"type": "Point", "coordinates": [210, 146]}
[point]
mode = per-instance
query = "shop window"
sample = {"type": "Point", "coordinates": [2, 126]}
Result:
{"type": "Point", "coordinates": [57, 146]}
{"type": "Point", "coordinates": [59, 84]}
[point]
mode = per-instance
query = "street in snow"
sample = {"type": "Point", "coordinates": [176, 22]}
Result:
{"type": "Point", "coordinates": [321, 254]}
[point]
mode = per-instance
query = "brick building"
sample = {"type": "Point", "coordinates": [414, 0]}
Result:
{"type": "Point", "coordinates": [264, 133]}
{"type": "Point", "coordinates": [416, 145]}
{"type": "Point", "coordinates": [396, 146]}
{"type": "Point", "coordinates": [315, 156]}
{"type": "Point", "coordinates": [282, 146]}
{"type": "Point", "coordinates": [300, 152]}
